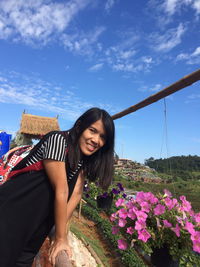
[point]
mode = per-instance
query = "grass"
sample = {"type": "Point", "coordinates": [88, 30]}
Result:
{"type": "Point", "coordinates": [94, 243]}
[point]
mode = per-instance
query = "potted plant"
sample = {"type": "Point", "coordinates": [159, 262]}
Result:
{"type": "Point", "coordinates": [104, 199]}
{"type": "Point", "coordinates": [151, 222]}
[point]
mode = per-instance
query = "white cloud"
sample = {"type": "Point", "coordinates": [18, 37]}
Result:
{"type": "Point", "coordinates": [167, 11]}
{"type": "Point", "coordinates": [38, 94]}
{"type": "Point", "coordinates": [96, 67]}
{"type": "Point", "coordinates": [36, 21]}
{"type": "Point", "coordinates": [196, 52]}
{"type": "Point", "coordinates": [173, 6]}
{"type": "Point", "coordinates": [196, 6]}
{"type": "Point", "coordinates": [147, 59]}
{"type": "Point", "coordinates": [127, 54]}
{"type": "Point", "coordinates": [182, 56]}
{"type": "Point", "coordinates": [156, 87]}
{"type": "Point", "coordinates": [169, 40]}
{"type": "Point", "coordinates": [129, 67]}
{"type": "Point", "coordinates": [109, 4]}
{"type": "Point", "coordinates": [83, 43]}
{"type": "Point", "coordinates": [170, 6]}
{"type": "Point", "coordinates": [152, 88]}
{"type": "Point", "coordinates": [194, 96]}
{"type": "Point", "coordinates": [193, 58]}
{"type": "Point", "coordinates": [123, 56]}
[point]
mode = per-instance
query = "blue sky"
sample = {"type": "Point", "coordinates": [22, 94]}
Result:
{"type": "Point", "coordinates": [63, 57]}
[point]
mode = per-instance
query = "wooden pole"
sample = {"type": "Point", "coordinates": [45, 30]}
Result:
{"type": "Point", "coordinates": [80, 207]}
{"type": "Point", "coordinates": [182, 83]}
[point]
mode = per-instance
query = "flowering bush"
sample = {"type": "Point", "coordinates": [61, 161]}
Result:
{"type": "Point", "coordinates": [151, 221]}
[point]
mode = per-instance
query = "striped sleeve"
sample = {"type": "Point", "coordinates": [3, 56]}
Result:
{"type": "Point", "coordinates": [55, 147]}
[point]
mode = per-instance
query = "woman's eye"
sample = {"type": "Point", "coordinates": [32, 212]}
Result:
{"type": "Point", "coordinates": [92, 130]}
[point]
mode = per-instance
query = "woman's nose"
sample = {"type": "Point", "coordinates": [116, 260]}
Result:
{"type": "Point", "coordinates": [95, 139]}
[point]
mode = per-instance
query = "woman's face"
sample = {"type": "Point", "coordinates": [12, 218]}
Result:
{"type": "Point", "coordinates": [93, 138]}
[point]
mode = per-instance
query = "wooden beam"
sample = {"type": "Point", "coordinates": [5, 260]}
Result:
{"type": "Point", "coordinates": [182, 83]}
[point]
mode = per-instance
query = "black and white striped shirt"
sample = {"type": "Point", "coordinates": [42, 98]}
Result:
{"type": "Point", "coordinates": [55, 148]}
{"type": "Point", "coordinates": [52, 148]}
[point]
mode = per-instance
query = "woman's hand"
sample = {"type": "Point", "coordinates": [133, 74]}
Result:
{"type": "Point", "coordinates": [56, 247]}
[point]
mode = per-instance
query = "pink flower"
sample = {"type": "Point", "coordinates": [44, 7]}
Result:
{"type": "Point", "coordinates": [134, 209]}
{"type": "Point", "coordinates": [143, 235]}
{"type": "Point", "coordinates": [151, 198]}
{"type": "Point", "coordinates": [122, 244]}
{"type": "Point", "coordinates": [145, 206]}
{"type": "Point", "coordinates": [189, 227]}
{"type": "Point", "coordinates": [167, 224]}
{"type": "Point", "coordinates": [123, 213]}
{"type": "Point", "coordinates": [141, 216]}
{"type": "Point", "coordinates": [130, 204]}
{"type": "Point", "coordinates": [195, 237]}
{"type": "Point", "coordinates": [119, 202]}
{"type": "Point", "coordinates": [122, 222]}
{"type": "Point", "coordinates": [176, 230]}
{"type": "Point", "coordinates": [140, 196]}
{"type": "Point", "coordinates": [115, 230]}
{"type": "Point", "coordinates": [170, 203]}
{"type": "Point", "coordinates": [196, 246]}
{"type": "Point", "coordinates": [159, 209]}
{"type": "Point", "coordinates": [148, 196]}
{"type": "Point", "coordinates": [139, 225]}
{"type": "Point", "coordinates": [130, 230]}
{"type": "Point", "coordinates": [175, 201]}
{"type": "Point", "coordinates": [113, 217]}
{"type": "Point", "coordinates": [182, 198]}
{"type": "Point", "coordinates": [131, 214]}
{"type": "Point", "coordinates": [186, 206]}
{"type": "Point", "coordinates": [197, 217]}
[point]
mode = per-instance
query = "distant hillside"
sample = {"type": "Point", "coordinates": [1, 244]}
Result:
{"type": "Point", "coordinates": [184, 167]}
{"type": "Point", "coordinates": [134, 171]}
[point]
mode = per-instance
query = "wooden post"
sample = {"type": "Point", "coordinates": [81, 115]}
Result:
{"type": "Point", "coordinates": [182, 83]}
{"type": "Point", "coordinates": [80, 207]}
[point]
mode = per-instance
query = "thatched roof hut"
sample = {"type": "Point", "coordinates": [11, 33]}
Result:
{"type": "Point", "coordinates": [35, 127]}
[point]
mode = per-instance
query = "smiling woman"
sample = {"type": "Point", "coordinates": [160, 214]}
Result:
{"type": "Point", "coordinates": [33, 201]}
{"type": "Point", "coordinates": [92, 138]}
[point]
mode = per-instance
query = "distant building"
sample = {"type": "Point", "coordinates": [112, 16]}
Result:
{"type": "Point", "coordinates": [34, 127]}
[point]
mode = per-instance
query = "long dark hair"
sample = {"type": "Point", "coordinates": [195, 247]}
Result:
{"type": "Point", "coordinates": [99, 165]}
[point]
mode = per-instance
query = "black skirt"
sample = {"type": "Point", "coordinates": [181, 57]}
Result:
{"type": "Point", "coordinates": [26, 217]}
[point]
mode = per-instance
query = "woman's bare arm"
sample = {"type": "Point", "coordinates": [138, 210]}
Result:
{"type": "Point", "coordinates": [63, 210]}
{"type": "Point", "coordinates": [57, 175]}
